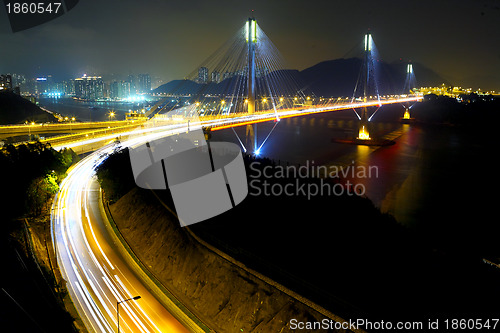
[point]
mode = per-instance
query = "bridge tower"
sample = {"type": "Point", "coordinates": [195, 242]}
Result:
{"type": "Point", "coordinates": [407, 90]}
{"type": "Point", "coordinates": [363, 133]}
{"type": "Point", "coordinates": [251, 38]}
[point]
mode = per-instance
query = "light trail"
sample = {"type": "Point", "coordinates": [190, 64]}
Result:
{"type": "Point", "coordinates": [239, 120]}
{"type": "Point", "coordinates": [97, 275]}
{"type": "Point", "coordinates": [96, 272]}
{"type": "Point", "coordinates": [271, 116]}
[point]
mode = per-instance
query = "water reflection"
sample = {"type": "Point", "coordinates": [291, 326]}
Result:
{"type": "Point", "coordinates": [411, 174]}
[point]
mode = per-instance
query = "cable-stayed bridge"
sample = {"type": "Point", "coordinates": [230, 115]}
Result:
{"type": "Point", "coordinates": [250, 85]}
{"type": "Point", "coordinates": [244, 82]}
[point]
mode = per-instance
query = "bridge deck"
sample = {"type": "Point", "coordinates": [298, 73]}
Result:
{"type": "Point", "coordinates": [94, 139]}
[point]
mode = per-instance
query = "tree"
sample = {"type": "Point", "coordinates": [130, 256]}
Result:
{"type": "Point", "coordinates": [39, 192]}
{"type": "Point", "coordinates": [30, 173]}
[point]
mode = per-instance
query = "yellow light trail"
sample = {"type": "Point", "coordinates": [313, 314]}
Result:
{"type": "Point", "coordinates": [295, 112]}
{"type": "Point", "coordinates": [97, 273]}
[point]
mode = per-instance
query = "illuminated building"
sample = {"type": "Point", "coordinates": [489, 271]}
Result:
{"type": "Point", "coordinates": [131, 79]}
{"type": "Point", "coordinates": [215, 77]}
{"type": "Point", "coordinates": [203, 75]}
{"type": "Point", "coordinates": [120, 89]}
{"type": "Point", "coordinates": [42, 84]}
{"type": "Point", "coordinates": [69, 87]}
{"type": "Point", "coordinates": [89, 87]}
{"type": "Point", "coordinates": [143, 83]}
{"type": "Point", "coordinates": [5, 82]}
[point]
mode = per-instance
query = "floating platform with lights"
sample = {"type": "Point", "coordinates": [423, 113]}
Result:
{"type": "Point", "coordinates": [365, 139]}
{"type": "Point", "coordinates": [370, 142]}
{"type": "Point", "coordinates": [406, 119]}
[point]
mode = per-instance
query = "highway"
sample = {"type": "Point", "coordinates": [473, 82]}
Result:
{"type": "Point", "coordinates": [96, 271]}
{"type": "Point", "coordinates": [162, 123]}
{"type": "Point", "coordinates": [97, 274]}
{"type": "Point", "coordinates": [65, 127]}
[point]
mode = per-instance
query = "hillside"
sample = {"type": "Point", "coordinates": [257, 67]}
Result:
{"type": "Point", "coordinates": [339, 252]}
{"type": "Point", "coordinates": [231, 84]}
{"type": "Point", "coordinates": [226, 297]}
{"type": "Point", "coordinates": [328, 78]}
{"type": "Point", "coordinates": [15, 109]}
{"type": "Point", "coordinates": [338, 77]}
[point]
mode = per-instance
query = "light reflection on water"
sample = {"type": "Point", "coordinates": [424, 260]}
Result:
{"type": "Point", "coordinates": [87, 111]}
{"type": "Point", "coordinates": [411, 173]}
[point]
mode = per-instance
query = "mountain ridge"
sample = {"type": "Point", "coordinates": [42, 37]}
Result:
{"type": "Point", "coordinates": [329, 78]}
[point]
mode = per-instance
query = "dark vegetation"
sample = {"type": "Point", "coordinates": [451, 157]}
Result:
{"type": "Point", "coordinates": [115, 175]}
{"type": "Point", "coordinates": [31, 173]}
{"type": "Point", "coordinates": [459, 210]}
{"type": "Point", "coordinates": [28, 299]}
{"type": "Point", "coordinates": [29, 302]}
{"type": "Point", "coordinates": [15, 109]}
{"type": "Point", "coordinates": [470, 111]}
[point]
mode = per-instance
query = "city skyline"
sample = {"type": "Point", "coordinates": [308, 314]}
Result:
{"type": "Point", "coordinates": [171, 40]}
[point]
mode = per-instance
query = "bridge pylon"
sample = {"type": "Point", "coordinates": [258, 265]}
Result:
{"type": "Point", "coordinates": [364, 133]}
{"type": "Point", "coordinates": [409, 82]}
{"type": "Point", "coordinates": [251, 38]}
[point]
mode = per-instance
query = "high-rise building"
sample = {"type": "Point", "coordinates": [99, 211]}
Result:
{"type": "Point", "coordinates": [215, 77]}
{"type": "Point", "coordinates": [89, 87]}
{"type": "Point", "coordinates": [18, 80]}
{"type": "Point", "coordinates": [69, 87]}
{"type": "Point", "coordinates": [120, 89]}
{"type": "Point", "coordinates": [133, 84]}
{"type": "Point", "coordinates": [203, 75]}
{"type": "Point", "coordinates": [5, 82]}
{"type": "Point", "coordinates": [143, 83]}
{"type": "Point", "coordinates": [42, 85]}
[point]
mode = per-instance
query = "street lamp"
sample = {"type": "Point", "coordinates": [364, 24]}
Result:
{"type": "Point", "coordinates": [111, 114]}
{"type": "Point", "coordinates": [118, 309]}
{"type": "Point", "coordinates": [29, 130]}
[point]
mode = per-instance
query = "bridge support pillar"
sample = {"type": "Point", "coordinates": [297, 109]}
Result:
{"type": "Point", "coordinates": [364, 133]}
{"type": "Point", "coordinates": [251, 29]}
{"type": "Point", "coordinates": [406, 115]}
{"type": "Point", "coordinates": [251, 136]}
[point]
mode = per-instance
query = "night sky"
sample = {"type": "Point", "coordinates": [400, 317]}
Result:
{"type": "Point", "coordinates": [169, 39]}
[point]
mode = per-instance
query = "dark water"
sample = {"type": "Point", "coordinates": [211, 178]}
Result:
{"type": "Point", "coordinates": [435, 179]}
{"type": "Point", "coordinates": [88, 111]}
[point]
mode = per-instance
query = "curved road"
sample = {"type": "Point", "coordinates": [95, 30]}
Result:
{"type": "Point", "coordinates": [97, 275]}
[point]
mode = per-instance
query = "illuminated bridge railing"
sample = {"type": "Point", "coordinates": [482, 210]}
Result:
{"type": "Point", "coordinates": [271, 115]}
{"type": "Point", "coordinates": [168, 122]}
